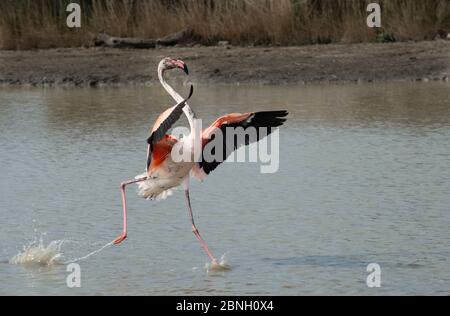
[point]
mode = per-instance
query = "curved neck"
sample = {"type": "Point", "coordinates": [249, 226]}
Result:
{"type": "Point", "coordinates": [168, 88]}
{"type": "Point", "coordinates": [178, 98]}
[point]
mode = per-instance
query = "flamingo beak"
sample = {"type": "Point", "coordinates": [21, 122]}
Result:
{"type": "Point", "coordinates": [182, 65]}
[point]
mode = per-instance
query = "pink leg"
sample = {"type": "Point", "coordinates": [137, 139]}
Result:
{"type": "Point", "coordinates": [195, 230]}
{"type": "Point", "coordinates": [122, 237]}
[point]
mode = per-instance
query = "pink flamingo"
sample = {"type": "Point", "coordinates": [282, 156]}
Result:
{"type": "Point", "coordinates": [163, 173]}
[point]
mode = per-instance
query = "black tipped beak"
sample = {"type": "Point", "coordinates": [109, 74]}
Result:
{"type": "Point", "coordinates": [182, 65]}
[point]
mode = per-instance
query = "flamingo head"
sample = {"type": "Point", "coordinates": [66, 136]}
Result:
{"type": "Point", "coordinates": [172, 63]}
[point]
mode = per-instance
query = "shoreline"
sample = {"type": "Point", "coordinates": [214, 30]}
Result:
{"type": "Point", "coordinates": [333, 63]}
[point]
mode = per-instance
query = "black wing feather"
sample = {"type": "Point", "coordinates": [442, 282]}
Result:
{"type": "Point", "coordinates": [174, 116]}
{"type": "Point", "coordinates": [267, 119]}
{"type": "Point", "coordinates": [159, 133]}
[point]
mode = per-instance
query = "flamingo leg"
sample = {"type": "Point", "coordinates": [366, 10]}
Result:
{"type": "Point", "coordinates": [195, 230]}
{"type": "Point", "coordinates": [122, 237]}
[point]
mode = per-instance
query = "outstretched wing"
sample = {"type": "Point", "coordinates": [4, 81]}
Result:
{"type": "Point", "coordinates": [228, 123]}
{"type": "Point", "coordinates": [163, 123]}
{"type": "Point", "coordinates": [166, 120]}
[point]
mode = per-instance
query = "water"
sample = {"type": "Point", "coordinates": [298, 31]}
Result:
{"type": "Point", "coordinates": [364, 178]}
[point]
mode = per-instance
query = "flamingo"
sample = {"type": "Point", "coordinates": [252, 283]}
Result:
{"type": "Point", "coordinates": [163, 174]}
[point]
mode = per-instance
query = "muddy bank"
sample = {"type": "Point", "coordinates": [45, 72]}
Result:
{"type": "Point", "coordinates": [230, 65]}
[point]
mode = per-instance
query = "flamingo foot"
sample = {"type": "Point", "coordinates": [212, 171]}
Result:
{"type": "Point", "coordinates": [119, 239]}
{"type": "Point", "coordinates": [216, 266]}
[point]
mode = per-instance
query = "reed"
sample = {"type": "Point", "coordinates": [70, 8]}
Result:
{"type": "Point", "coordinates": [28, 24]}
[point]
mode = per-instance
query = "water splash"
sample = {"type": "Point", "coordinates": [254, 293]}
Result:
{"type": "Point", "coordinates": [220, 266]}
{"type": "Point", "coordinates": [91, 253]}
{"type": "Point", "coordinates": [36, 253]}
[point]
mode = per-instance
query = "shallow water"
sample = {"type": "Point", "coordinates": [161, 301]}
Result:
{"type": "Point", "coordinates": [364, 178]}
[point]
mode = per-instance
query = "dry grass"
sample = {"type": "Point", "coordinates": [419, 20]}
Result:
{"type": "Point", "coordinates": [26, 24]}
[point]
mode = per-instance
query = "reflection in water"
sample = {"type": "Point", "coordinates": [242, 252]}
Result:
{"type": "Point", "coordinates": [364, 177]}
{"type": "Point", "coordinates": [88, 110]}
